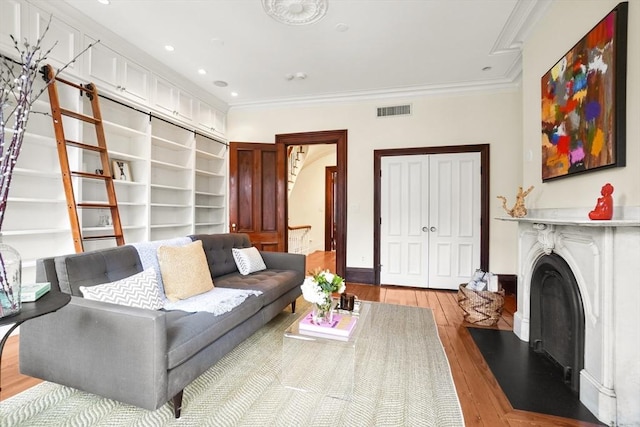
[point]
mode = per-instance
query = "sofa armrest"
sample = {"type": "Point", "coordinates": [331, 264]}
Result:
{"type": "Point", "coordinates": [284, 261]}
{"type": "Point", "coordinates": [111, 350]}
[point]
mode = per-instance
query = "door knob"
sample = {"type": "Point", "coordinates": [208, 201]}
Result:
{"type": "Point", "coordinates": [432, 229]}
{"type": "Point", "coordinates": [233, 228]}
{"type": "Point", "coordinates": [425, 229]}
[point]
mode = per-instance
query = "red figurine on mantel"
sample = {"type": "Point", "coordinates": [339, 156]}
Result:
{"type": "Point", "coordinates": [604, 207]}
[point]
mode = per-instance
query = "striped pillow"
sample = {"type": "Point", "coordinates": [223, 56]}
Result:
{"type": "Point", "coordinates": [139, 290]}
{"type": "Point", "coordinates": [248, 260]}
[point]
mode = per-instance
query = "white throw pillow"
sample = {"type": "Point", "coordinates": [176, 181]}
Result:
{"type": "Point", "coordinates": [139, 290]}
{"type": "Point", "coordinates": [248, 260]}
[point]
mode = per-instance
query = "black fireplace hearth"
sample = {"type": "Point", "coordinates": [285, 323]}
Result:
{"type": "Point", "coordinates": [557, 317]}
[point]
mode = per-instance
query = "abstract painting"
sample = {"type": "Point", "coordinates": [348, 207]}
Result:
{"type": "Point", "coordinates": [584, 103]}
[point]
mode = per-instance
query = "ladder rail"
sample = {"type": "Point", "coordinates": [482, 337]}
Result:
{"type": "Point", "coordinates": [62, 143]}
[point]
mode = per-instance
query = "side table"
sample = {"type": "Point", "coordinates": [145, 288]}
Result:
{"type": "Point", "coordinates": [52, 301]}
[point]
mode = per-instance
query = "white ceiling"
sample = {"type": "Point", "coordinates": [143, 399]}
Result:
{"type": "Point", "coordinates": [391, 47]}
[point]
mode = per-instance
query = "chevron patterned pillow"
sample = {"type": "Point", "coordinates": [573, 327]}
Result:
{"type": "Point", "coordinates": [139, 290]}
{"type": "Point", "coordinates": [248, 260]}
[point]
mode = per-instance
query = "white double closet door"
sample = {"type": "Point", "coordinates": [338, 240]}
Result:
{"type": "Point", "coordinates": [430, 219]}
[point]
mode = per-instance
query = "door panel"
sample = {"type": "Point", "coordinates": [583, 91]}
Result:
{"type": "Point", "coordinates": [430, 219]}
{"type": "Point", "coordinates": [255, 194]}
{"type": "Point", "coordinates": [403, 249]}
{"type": "Point", "coordinates": [454, 217]}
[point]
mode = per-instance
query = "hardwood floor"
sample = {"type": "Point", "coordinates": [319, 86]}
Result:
{"type": "Point", "coordinates": [483, 402]}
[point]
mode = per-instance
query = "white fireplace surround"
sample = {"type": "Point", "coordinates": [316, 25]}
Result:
{"type": "Point", "coordinates": [604, 257]}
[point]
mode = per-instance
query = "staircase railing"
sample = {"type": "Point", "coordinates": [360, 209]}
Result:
{"type": "Point", "coordinates": [299, 239]}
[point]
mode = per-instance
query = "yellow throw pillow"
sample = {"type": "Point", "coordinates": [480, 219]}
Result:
{"type": "Point", "coordinates": [184, 270]}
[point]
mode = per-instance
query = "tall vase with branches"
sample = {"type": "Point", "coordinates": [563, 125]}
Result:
{"type": "Point", "coordinates": [17, 96]}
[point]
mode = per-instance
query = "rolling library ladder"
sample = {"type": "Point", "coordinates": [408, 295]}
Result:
{"type": "Point", "coordinates": [100, 148]}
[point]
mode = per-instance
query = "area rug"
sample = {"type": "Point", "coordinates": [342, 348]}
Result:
{"type": "Point", "coordinates": [401, 378]}
{"type": "Point", "coordinates": [530, 381]}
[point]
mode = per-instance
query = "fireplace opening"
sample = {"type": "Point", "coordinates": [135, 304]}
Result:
{"type": "Point", "coordinates": [557, 317]}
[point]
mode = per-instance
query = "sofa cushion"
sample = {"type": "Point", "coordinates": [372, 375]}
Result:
{"type": "Point", "coordinates": [217, 248]}
{"type": "Point", "coordinates": [248, 260]}
{"type": "Point", "coordinates": [96, 267]}
{"type": "Point", "coordinates": [148, 253]}
{"type": "Point", "coordinates": [139, 290]}
{"type": "Point", "coordinates": [188, 333]}
{"type": "Point", "coordinates": [185, 271]}
{"type": "Point", "coordinates": [272, 283]}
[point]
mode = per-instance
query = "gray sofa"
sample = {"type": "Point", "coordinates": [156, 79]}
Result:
{"type": "Point", "coordinates": [147, 357]}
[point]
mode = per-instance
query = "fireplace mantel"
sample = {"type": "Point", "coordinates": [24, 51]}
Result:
{"type": "Point", "coordinates": [578, 222]}
{"type": "Point", "coordinates": [628, 217]}
{"type": "Point", "coordinates": [604, 257]}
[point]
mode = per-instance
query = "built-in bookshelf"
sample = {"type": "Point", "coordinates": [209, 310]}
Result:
{"type": "Point", "coordinates": [210, 185]}
{"type": "Point", "coordinates": [170, 141]}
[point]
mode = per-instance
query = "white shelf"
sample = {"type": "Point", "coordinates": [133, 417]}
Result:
{"type": "Point", "coordinates": [206, 154]}
{"type": "Point", "coordinates": [204, 193]}
{"type": "Point", "coordinates": [208, 207]}
{"type": "Point", "coordinates": [165, 165]}
{"type": "Point", "coordinates": [157, 226]}
{"type": "Point", "coordinates": [211, 174]}
{"type": "Point", "coordinates": [122, 130]}
{"type": "Point", "coordinates": [168, 205]}
{"type": "Point", "coordinates": [33, 200]}
{"type": "Point", "coordinates": [169, 187]}
{"type": "Point", "coordinates": [166, 143]}
{"type": "Point", "coordinates": [37, 173]}
{"type": "Point", "coordinates": [124, 156]}
{"type": "Point", "coordinates": [35, 231]}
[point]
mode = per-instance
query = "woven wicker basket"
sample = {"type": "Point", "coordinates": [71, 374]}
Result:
{"type": "Point", "coordinates": [481, 307]}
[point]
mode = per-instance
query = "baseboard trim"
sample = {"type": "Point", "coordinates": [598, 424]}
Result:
{"type": "Point", "coordinates": [509, 282]}
{"type": "Point", "coordinates": [359, 275]}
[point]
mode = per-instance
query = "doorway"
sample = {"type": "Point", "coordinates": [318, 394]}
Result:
{"type": "Point", "coordinates": [330, 185]}
{"type": "Point", "coordinates": [339, 139]}
{"type": "Point", "coordinates": [481, 179]}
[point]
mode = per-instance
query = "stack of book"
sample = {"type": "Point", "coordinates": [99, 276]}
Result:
{"type": "Point", "coordinates": [32, 291]}
{"type": "Point", "coordinates": [340, 328]}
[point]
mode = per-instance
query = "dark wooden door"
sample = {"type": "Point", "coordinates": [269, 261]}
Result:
{"type": "Point", "coordinates": [256, 195]}
{"type": "Point", "coordinates": [330, 208]}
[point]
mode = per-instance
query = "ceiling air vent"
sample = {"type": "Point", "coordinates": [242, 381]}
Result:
{"type": "Point", "coordinates": [396, 110]}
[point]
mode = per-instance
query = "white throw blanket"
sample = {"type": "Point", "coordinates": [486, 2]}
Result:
{"type": "Point", "coordinates": [148, 253]}
{"type": "Point", "coordinates": [217, 301]}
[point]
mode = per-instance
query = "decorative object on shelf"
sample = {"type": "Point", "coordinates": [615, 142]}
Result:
{"type": "Point", "coordinates": [11, 278]}
{"type": "Point", "coordinates": [518, 210]}
{"type": "Point", "coordinates": [583, 102]}
{"type": "Point", "coordinates": [296, 12]}
{"type": "Point", "coordinates": [121, 170]}
{"type": "Point", "coordinates": [17, 95]}
{"type": "Point", "coordinates": [317, 289]}
{"type": "Point", "coordinates": [604, 207]}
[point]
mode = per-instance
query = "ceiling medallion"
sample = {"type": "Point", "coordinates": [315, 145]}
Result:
{"type": "Point", "coordinates": [296, 12]}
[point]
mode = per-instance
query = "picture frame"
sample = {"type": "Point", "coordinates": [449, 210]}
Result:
{"type": "Point", "coordinates": [583, 102]}
{"type": "Point", "coordinates": [121, 170]}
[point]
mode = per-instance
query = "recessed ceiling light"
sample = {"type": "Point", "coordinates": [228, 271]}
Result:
{"type": "Point", "coordinates": [342, 27]}
{"type": "Point", "coordinates": [104, 1]}
{"type": "Point", "coordinates": [221, 83]}
{"type": "Point", "coordinates": [169, 48]}
{"type": "Point", "coordinates": [202, 71]}
{"type": "Point", "coordinates": [234, 93]}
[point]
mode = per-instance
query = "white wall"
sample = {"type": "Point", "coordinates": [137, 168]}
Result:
{"type": "Point", "coordinates": [306, 201]}
{"type": "Point", "coordinates": [553, 36]}
{"type": "Point", "coordinates": [438, 120]}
